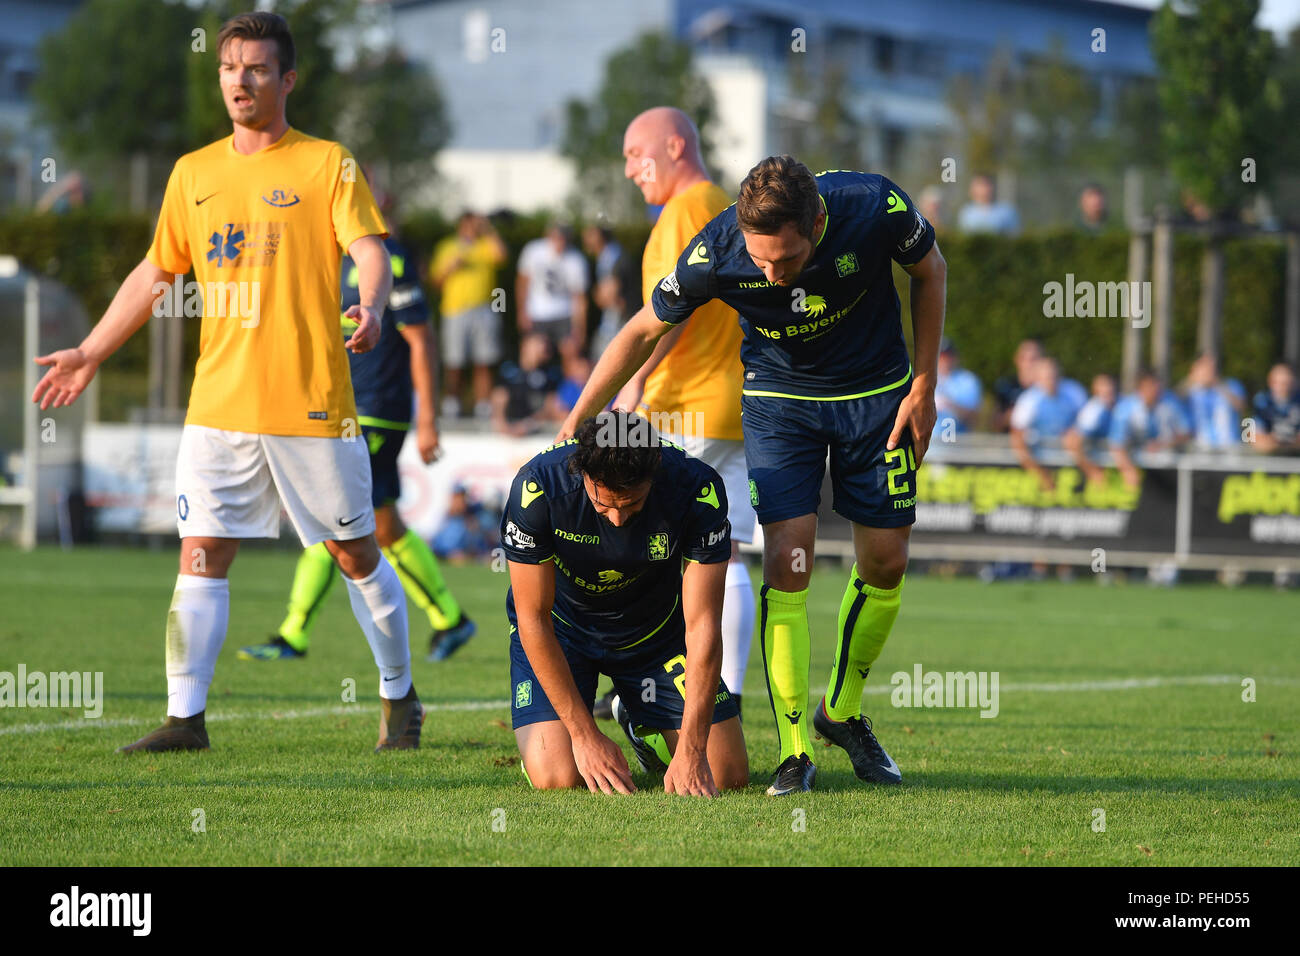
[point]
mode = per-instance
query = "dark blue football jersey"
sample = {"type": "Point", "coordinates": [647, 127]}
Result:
{"type": "Point", "coordinates": [836, 330]}
{"type": "Point", "coordinates": [381, 378]}
{"type": "Point", "coordinates": [615, 586]}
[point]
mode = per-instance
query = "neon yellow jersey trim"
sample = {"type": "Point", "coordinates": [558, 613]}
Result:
{"type": "Point", "coordinates": [830, 398]}
{"type": "Point", "coordinates": [826, 223]}
{"type": "Point", "coordinates": [383, 423]}
{"type": "Point", "coordinates": [657, 629]}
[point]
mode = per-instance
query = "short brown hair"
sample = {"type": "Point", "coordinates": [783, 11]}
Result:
{"type": "Point", "coordinates": [778, 190]}
{"type": "Point", "coordinates": [261, 25]}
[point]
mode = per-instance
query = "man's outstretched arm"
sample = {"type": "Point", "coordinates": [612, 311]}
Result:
{"type": "Point", "coordinates": [622, 357]}
{"type": "Point", "coordinates": [72, 369]}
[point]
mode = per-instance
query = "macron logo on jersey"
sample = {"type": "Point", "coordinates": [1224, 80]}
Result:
{"type": "Point", "coordinates": [699, 254]}
{"type": "Point", "coordinates": [529, 493]}
{"type": "Point", "coordinates": [895, 203]}
{"type": "Point", "coordinates": [708, 495]}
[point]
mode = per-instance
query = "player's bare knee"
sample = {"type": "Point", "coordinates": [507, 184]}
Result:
{"type": "Point", "coordinates": [357, 558]}
{"type": "Point", "coordinates": [544, 777]}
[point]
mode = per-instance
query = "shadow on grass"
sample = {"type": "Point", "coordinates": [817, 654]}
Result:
{"type": "Point", "coordinates": [1019, 784]}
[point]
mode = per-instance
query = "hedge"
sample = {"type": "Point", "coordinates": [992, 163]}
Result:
{"type": "Point", "coordinates": [995, 291]}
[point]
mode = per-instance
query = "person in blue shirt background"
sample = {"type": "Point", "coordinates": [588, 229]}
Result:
{"type": "Point", "coordinates": [1214, 404]}
{"type": "Point", "coordinates": [957, 395]}
{"type": "Point", "coordinates": [1151, 419]}
{"type": "Point", "coordinates": [1045, 411]}
{"type": "Point", "coordinates": [1277, 412]}
{"type": "Point", "coordinates": [1092, 426]}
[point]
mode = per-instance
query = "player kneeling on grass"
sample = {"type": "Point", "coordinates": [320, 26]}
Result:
{"type": "Point", "coordinates": [618, 544]}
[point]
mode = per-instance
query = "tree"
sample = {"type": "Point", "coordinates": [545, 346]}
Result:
{"type": "Point", "coordinates": [655, 70]}
{"type": "Point", "coordinates": [1218, 100]}
{"type": "Point", "coordinates": [825, 134]}
{"type": "Point", "coordinates": [107, 86]}
{"type": "Point", "coordinates": [394, 116]}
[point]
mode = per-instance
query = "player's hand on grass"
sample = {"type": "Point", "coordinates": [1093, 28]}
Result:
{"type": "Point", "coordinates": [602, 765]}
{"type": "Point", "coordinates": [366, 337]}
{"type": "Point", "coordinates": [69, 374]}
{"type": "Point", "coordinates": [916, 412]}
{"type": "Point", "coordinates": [689, 776]}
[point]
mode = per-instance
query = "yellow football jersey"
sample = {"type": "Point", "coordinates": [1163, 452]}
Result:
{"type": "Point", "coordinates": [702, 374]}
{"type": "Point", "coordinates": [472, 283]}
{"type": "Point", "coordinates": [265, 234]}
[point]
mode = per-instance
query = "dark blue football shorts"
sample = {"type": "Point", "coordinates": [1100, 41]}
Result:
{"type": "Point", "coordinates": [384, 445]}
{"type": "Point", "coordinates": [648, 676]}
{"type": "Point", "coordinates": [787, 441]}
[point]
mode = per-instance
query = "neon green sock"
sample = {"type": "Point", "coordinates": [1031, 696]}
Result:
{"type": "Point", "coordinates": [866, 618]}
{"type": "Point", "coordinates": [418, 570]}
{"type": "Point", "coordinates": [660, 746]}
{"type": "Point", "coordinates": [311, 582]}
{"type": "Point", "coordinates": [787, 647]}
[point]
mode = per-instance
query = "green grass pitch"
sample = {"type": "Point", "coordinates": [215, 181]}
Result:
{"type": "Point", "coordinates": [1122, 699]}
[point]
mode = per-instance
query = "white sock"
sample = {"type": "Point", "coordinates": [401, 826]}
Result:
{"type": "Point", "coordinates": [379, 604]}
{"type": "Point", "coordinates": [196, 629]}
{"type": "Point", "coordinates": [737, 626]}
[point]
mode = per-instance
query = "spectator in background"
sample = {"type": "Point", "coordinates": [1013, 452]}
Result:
{"type": "Point", "coordinates": [616, 292]}
{"type": "Point", "coordinates": [523, 401]}
{"type": "Point", "coordinates": [1008, 388]}
{"type": "Point", "coordinates": [577, 369]}
{"type": "Point", "coordinates": [551, 289]}
{"type": "Point", "coordinates": [1091, 427]}
{"type": "Point", "coordinates": [1093, 213]}
{"type": "Point", "coordinates": [464, 270]}
{"type": "Point", "coordinates": [957, 395]}
{"type": "Point", "coordinates": [1151, 419]}
{"type": "Point", "coordinates": [1277, 412]}
{"type": "Point", "coordinates": [930, 203]}
{"type": "Point", "coordinates": [1215, 404]}
{"type": "Point", "coordinates": [984, 214]}
{"type": "Point", "coordinates": [465, 531]}
{"type": "Point", "coordinates": [1044, 411]}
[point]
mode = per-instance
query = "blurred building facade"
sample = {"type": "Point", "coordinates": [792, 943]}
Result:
{"type": "Point", "coordinates": [22, 146]}
{"type": "Point", "coordinates": [507, 69]}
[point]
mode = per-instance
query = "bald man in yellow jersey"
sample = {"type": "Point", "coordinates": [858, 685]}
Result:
{"type": "Point", "coordinates": [690, 385]}
{"type": "Point", "coordinates": [263, 217]}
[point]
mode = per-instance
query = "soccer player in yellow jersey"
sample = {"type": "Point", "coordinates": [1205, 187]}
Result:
{"type": "Point", "coordinates": [263, 216]}
{"type": "Point", "coordinates": [690, 385]}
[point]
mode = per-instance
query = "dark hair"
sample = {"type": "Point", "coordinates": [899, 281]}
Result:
{"type": "Point", "coordinates": [778, 190]}
{"type": "Point", "coordinates": [617, 450]}
{"type": "Point", "coordinates": [1147, 372]}
{"type": "Point", "coordinates": [261, 25]}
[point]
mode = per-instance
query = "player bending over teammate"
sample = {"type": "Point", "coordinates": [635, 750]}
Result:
{"type": "Point", "coordinates": [618, 546]}
{"type": "Point", "coordinates": [806, 261]}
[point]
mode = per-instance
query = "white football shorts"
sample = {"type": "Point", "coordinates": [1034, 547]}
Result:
{"type": "Point", "coordinates": [232, 484]}
{"type": "Point", "coordinates": [727, 457]}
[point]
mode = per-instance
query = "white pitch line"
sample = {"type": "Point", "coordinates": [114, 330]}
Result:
{"type": "Point", "coordinates": [1124, 683]}
{"type": "Point", "coordinates": [1127, 683]}
{"type": "Point", "coordinates": [88, 724]}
